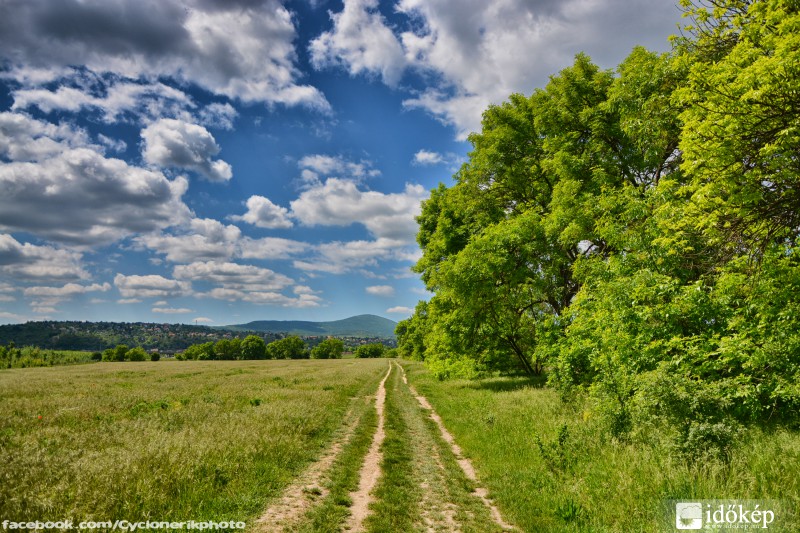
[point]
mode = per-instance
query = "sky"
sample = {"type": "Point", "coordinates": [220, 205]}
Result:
{"type": "Point", "coordinates": [223, 161]}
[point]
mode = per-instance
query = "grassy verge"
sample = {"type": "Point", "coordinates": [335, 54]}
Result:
{"type": "Point", "coordinates": [397, 494]}
{"type": "Point", "coordinates": [549, 467]}
{"type": "Point", "coordinates": [330, 514]}
{"type": "Point", "coordinates": [168, 441]}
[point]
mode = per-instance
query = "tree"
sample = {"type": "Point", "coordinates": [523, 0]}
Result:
{"type": "Point", "coordinates": [742, 107]}
{"type": "Point", "coordinates": [328, 349]}
{"type": "Point", "coordinates": [201, 352]}
{"type": "Point", "coordinates": [120, 352]}
{"type": "Point", "coordinates": [372, 350]}
{"type": "Point", "coordinates": [136, 354]}
{"type": "Point", "coordinates": [227, 349]}
{"type": "Point", "coordinates": [253, 347]}
{"type": "Point", "coordinates": [291, 347]}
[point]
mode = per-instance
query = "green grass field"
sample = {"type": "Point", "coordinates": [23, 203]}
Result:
{"type": "Point", "coordinates": [167, 440]}
{"type": "Point", "coordinates": [585, 481]}
{"type": "Point", "coordinates": [221, 440]}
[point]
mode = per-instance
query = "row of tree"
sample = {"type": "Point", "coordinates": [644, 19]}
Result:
{"type": "Point", "coordinates": [634, 234]}
{"type": "Point", "coordinates": [292, 347]}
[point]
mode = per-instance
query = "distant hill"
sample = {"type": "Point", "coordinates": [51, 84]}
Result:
{"type": "Point", "coordinates": [355, 326]}
{"type": "Point", "coordinates": [73, 335]}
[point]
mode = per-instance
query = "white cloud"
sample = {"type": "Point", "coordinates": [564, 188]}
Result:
{"type": "Point", "coordinates": [400, 310]}
{"type": "Point", "coordinates": [316, 166]}
{"type": "Point", "coordinates": [233, 276]}
{"type": "Point", "coordinates": [136, 287]}
{"type": "Point", "coordinates": [119, 99]}
{"type": "Point", "coordinates": [201, 238]}
{"type": "Point", "coordinates": [270, 248]}
{"type": "Point", "coordinates": [171, 310]}
{"type": "Point", "coordinates": [341, 257]}
{"type": "Point", "coordinates": [261, 212]}
{"type": "Point", "coordinates": [60, 187]}
{"type": "Point", "coordinates": [381, 290]}
{"type": "Point", "coordinates": [475, 53]}
{"type": "Point", "coordinates": [11, 317]}
{"type": "Point", "coordinates": [115, 145]}
{"type": "Point", "coordinates": [208, 239]}
{"type": "Point", "coordinates": [177, 144]}
{"type": "Point", "coordinates": [66, 291]}
{"type": "Point", "coordinates": [242, 50]}
{"type": "Point", "coordinates": [29, 262]}
{"type": "Point", "coordinates": [202, 320]}
{"type": "Point", "coordinates": [218, 115]}
{"type": "Point", "coordinates": [127, 301]}
{"type": "Point", "coordinates": [425, 157]}
{"type": "Point", "coordinates": [361, 42]}
{"type": "Point", "coordinates": [340, 203]}
{"type": "Point", "coordinates": [273, 298]}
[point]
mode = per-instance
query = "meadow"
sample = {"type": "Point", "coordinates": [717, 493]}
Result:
{"type": "Point", "coordinates": [551, 467]}
{"type": "Point", "coordinates": [223, 440]}
{"type": "Point", "coordinates": [167, 440]}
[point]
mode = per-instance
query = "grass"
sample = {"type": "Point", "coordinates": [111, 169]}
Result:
{"type": "Point", "coordinates": [549, 466]}
{"type": "Point", "coordinates": [331, 513]}
{"type": "Point", "coordinates": [168, 440]}
{"type": "Point", "coordinates": [397, 494]}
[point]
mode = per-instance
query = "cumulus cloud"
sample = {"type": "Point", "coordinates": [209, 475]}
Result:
{"type": "Point", "coordinates": [66, 291]}
{"type": "Point", "coordinates": [115, 99]}
{"type": "Point", "coordinates": [425, 157]}
{"type": "Point", "coordinates": [202, 320]}
{"type": "Point", "coordinates": [316, 166]}
{"type": "Point", "coordinates": [247, 283]}
{"type": "Point", "coordinates": [136, 287]}
{"type": "Point", "coordinates": [480, 52]}
{"type": "Point", "coordinates": [244, 51]}
{"type": "Point", "coordinates": [44, 298]}
{"type": "Point", "coordinates": [218, 115]}
{"type": "Point", "coordinates": [261, 212]}
{"type": "Point", "coordinates": [171, 310]}
{"type": "Point", "coordinates": [381, 290]}
{"type": "Point", "coordinates": [400, 310]}
{"type": "Point", "coordinates": [361, 42]}
{"type": "Point", "coordinates": [208, 239]}
{"type": "Point", "coordinates": [178, 144]}
{"type": "Point", "coordinates": [233, 276]}
{"type": "Point", "coordinates": [342, 257]}
{"type": "Point", "coordinates": [340, 202]}
{"type": "Point", "coordinates": [30, 262]}
{"type": "Point", "coordinates": [60, 187]}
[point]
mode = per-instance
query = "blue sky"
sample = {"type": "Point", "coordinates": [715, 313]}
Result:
{"type": "Point", "coordinates": [219, 162]}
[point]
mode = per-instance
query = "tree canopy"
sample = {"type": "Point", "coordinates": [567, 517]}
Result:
{"type": "Point", "coordinates": [633, 233]}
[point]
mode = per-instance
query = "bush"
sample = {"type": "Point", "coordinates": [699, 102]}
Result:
{"type": "Point", "coordinates": [155, 356]}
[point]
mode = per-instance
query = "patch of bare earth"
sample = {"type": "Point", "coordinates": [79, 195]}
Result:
{"type": "Point", "coordinates": [371, 469]}
{"type": "Point", "coordinates": [309, 487]}
{"type": "Point", "coordinates": [463, 462]}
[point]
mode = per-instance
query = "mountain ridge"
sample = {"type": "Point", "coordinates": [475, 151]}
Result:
{"type": "Point", "coordinates": [355, 326]}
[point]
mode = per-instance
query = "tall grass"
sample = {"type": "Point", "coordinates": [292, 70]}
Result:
{"type": "Point", "coordinates": [551, 467]}
{"type": "Point", "coordinates": [168, 440]}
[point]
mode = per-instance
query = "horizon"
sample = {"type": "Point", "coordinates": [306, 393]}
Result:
{"type": "Point", "coordinates": [217, 163]}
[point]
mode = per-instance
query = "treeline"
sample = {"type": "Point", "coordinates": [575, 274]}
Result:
{"type": "Point", "coordinates": [98, 336]}
{"type": "Point", "coordinates": [634, 234]}
{"type": "Point", "coordinates": [291, 347]}
{"type": "Point", "coordinates": [30, 356]}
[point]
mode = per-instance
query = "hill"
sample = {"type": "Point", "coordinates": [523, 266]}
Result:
{"type": "Point", "coordinates": [355, 326]}
{"type": "Point", "coordinates": [74, 335]}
